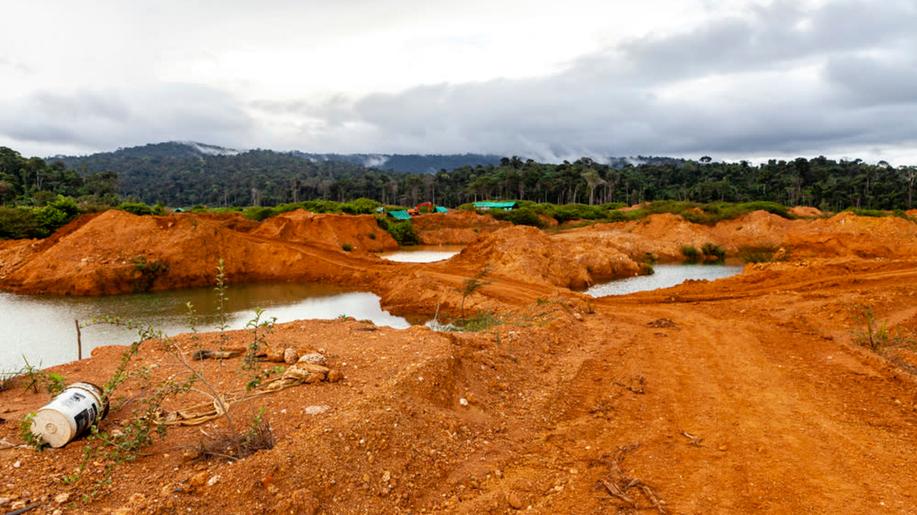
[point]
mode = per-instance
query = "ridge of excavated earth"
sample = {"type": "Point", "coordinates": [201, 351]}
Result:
{"type": "Point", "coordinates": [747, 394]}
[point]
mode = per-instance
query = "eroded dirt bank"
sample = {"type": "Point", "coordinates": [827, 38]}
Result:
{"type": "Point", "coordinates": [742, 395]}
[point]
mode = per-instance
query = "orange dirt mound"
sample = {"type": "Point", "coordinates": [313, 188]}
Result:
{"type": "Point", "coordinates": [528, 254]}
{"type": "Point", "coordinates": [844, 234]}
{"type": "Point", "coordinates": [117, 252]}
{"type": "Point", "coordinates": [454, 227]}
{"type": "Point", "coordinates": [805, 211]}
{"type": "Point", "coordinates": [361, 232]}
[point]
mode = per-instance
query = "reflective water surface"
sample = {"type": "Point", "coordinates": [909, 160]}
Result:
{"type": "Point", "coordinates": [422, 253]}
{"type": "Point", "coordinates": [665, 276]}
{"type": "Point", "coordinates": [42, 328]}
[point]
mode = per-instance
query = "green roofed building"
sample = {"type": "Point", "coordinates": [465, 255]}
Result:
{"type": "Point", "coordinates": [505, 205]}
{"type": "Point", "coordinates": [399, 215]}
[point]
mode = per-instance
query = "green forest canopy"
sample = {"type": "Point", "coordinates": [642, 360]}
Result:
{"type": "Point", "coordinates": [37, 196]}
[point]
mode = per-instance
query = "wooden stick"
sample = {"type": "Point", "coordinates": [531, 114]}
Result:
{"type": "Point", "coordinates": [79, 340]}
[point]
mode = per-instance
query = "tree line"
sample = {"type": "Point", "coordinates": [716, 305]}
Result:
{"type": "Point", "coordinates": [38, 195]}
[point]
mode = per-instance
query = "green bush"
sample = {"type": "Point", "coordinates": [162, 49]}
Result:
{"type": "Point", "coordinates": [713, 252]}
{"type": "Point", "coordinates": [258, 213]}
{"type": "Point", "coordinates": [521, 216]}
{"type": "Point", "coordinates": [402, 231]}
{"type": "Point", "coordinates": [346, 247]}
{"type": "Point", "coordinates": [360, 206]}
{"type": "Point", "coordinates": [140, 208]}
{"type": "Point", "coordinates": [579, 212]}
{"type": "Point", "coordinates": [691, 254]}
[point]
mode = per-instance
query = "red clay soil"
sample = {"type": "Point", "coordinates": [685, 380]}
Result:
{"type": "Point", "coordinates": [844, 234]}
{"type": "Point", "coordinates": [805, 211]}
{"type": "Point", "coordinates": [117, 252]}
{"type": "Point", "coordinates": [749, 394]}
{"type": "Point", "coordinates": [362, 232]}
{"type": "Point", "coordinates": [454, 227]}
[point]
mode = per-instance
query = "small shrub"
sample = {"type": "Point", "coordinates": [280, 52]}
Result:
{"type": "Point", "coordinates": [235, 446]}
{"type": "Point", "coordinates": [372, 236]}
{"type": "Point", "coordinates": [713, 253]}
{"type": "Point", "coordinates": [691, 254]}
{"type": "Point", "coordinates": [149, 272]}
{"type": "Point", "coordinates": [346, 247]}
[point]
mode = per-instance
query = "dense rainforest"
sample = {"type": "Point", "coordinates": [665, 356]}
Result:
{"type": "Point", "coordinates": [36, 195]}
{"type": "Point", "coordinates": [179, 174]}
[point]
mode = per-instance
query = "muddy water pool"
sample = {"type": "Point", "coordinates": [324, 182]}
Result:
{"type": "Point", "coordinates": [422, 253]}
{"type": "Point", "coordinates": [665, 276]}
{"type": "Point", "coordinates": [42, 328]}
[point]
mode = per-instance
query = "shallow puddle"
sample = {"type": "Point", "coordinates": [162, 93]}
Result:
{"type": "Point", "coordinates": [665, 276]}
{"type": "Point", "coordinates": [43, 329]}
{"type": "Point", "coordinates": [422, 253]}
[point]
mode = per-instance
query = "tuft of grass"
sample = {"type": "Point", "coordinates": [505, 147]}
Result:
{"type": "Point", "coordinates": [235, 446]}
{"type": "Point", "coordinates": [346, 247]}
{"type": "Point", "coordinates": [478, 322]}
{"type": "Point", "coordinates": [25, 432]}
{"type": "Point", "coordinates": [875, 334]}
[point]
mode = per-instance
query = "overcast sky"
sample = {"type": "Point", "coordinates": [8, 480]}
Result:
{"type": "Point", "coordinates": [546, 79]}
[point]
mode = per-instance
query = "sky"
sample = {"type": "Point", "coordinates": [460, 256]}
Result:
{"type": "Point", "coordinates": [733, 79]}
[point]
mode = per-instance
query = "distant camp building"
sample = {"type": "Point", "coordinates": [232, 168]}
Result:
{"type": "Point", "coordinates": [504, 205]}
{"type": "Point", "coordinates": [400, 214]}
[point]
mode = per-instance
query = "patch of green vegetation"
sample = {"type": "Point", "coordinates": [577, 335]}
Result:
{"type": "Point", "coordinates": [529, 213]}
{"type": "Point", "coordinates": [25, 432]}
{"type": "Point", "coordinates": [521, 216]}
{"type": "Point", "coordinates": [480, 321]}
{"type": "Point", "coordinates": [402, 231]}
{"type": "Point", "coordinates": [713, 253]}
{"type": "Point", "coordinates": [149, 272]}
{"type": "Point", "coordinates": [140, 208]}
{"type": "Point", "coordinates": [877, 213]}
{"type": "Point", "coordinates": [360, 206]}
{"type": "Point", "coordinates": [346, 247]}
{"type": "Point", "coordinates": [691, 254]}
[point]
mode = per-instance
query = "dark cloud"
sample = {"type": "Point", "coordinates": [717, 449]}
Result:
{"type": "Point", "coordinates": [780, 80]}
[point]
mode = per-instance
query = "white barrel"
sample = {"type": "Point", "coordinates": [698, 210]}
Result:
{"type": "Point", "coordinates": [69, 414]}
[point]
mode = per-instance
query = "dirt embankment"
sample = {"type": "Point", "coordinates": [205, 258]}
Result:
{"type": "Point", "coordinates": [530, 255]}
{"type": "Point", "coordinates": [455, 227]}
{"type": "Point", "coordinates": [844, 234]}
{"type": "Point", "coordinates": [117, 252]}
{"type": "Point", "coordinates": [361, 233]}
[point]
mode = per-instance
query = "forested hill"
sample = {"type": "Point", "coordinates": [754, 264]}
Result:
{"type": "Point", "coordinates": [408, 163]}
{"type": "Point", "coordinates": [188, 173]}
